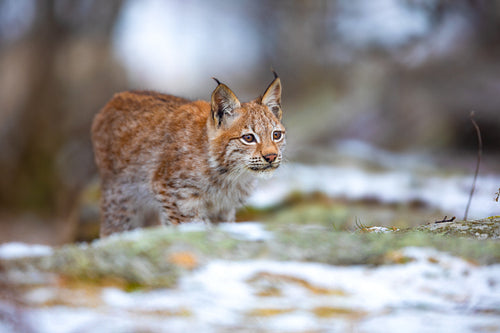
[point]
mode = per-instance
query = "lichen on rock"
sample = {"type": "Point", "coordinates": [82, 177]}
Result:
{"type": "Point", "coordinates": [488, 228]}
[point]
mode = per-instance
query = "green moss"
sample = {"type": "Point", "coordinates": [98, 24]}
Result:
{"type": "Point", "coordinates": [143, 259]}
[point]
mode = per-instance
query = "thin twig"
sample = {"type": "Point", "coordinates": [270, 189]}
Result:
{"type": "Point", "coordinates": [445, 220]}
{"type": "Point", "coordinates": [479, 153]}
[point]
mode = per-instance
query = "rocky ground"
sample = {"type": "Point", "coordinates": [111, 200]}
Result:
{"type": "Point", "coordinates": [259, 277]}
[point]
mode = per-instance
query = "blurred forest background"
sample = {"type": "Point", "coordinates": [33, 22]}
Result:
{"type": "Point", "coordinates": [402, 75]}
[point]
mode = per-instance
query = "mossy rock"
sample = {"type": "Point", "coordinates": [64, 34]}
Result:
{"type": "Point", "coordinates": [157, 257]}
{"type": "Point", "coordinates": [488, 228]}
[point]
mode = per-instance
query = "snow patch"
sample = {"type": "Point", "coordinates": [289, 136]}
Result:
{"type": "Point", "coordinates": [447, 193]}
{"type": "Point", "coordinates": [251, 231]}
{"type": "Point", "coordinates": [378, 230]}
{"type": "Point", "coordinates": [431, 292]}
{"type": "Point", "coordinates": [19, 250]}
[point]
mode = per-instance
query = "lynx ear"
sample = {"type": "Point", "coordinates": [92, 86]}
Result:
{"type": "Point", "coordinates": [224, 102]}
{"type": "Point", "coordinates": [272, 96]}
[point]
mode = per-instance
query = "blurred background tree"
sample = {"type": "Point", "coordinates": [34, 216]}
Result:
{"type": "Point", "coordinates": [400, 74]}
{"type": "Point", "coordinates": [57, 68]}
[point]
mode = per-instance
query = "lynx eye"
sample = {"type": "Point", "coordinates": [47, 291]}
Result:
{"type": "Point", "coordinates": [277, 135]}
{"type": "Point", "coordinates": [248, 138]}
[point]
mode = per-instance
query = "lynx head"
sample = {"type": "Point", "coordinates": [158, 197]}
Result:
{"type": "Point", "coordinates": [246, 137]}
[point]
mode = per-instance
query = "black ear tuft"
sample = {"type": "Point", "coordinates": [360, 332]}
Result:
{"type": "Point", "coordinates": [275, 74]}
{"type": "Point", "coordinates": [216, 80]}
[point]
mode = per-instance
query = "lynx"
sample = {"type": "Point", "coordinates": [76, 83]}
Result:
{"type": "Point", "coordinates": [168, 158]}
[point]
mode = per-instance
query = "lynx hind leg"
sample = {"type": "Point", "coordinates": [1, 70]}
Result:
{"type": "Point", "coordinates": [120, 210]}
{"type": "Point", "coordinates": [227, 215]}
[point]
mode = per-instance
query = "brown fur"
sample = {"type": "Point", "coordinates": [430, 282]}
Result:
{"type": "Point", "coordinates": [161, 155]}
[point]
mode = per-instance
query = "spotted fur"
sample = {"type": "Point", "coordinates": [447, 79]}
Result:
{"type": "Point", "coordinates": [161, 156]}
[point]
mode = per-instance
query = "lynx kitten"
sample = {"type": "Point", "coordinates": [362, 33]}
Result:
{"type": "Point", "coordinates": [168, 157]}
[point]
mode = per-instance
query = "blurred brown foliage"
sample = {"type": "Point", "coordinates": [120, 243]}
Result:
{"type": "Point", "coordinates": [54, 78]}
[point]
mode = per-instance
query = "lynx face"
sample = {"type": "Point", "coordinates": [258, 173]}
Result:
{"type": "Point", "coordinates": [259, 141]}
{"type": "Point", "coordinates": [251, 134]}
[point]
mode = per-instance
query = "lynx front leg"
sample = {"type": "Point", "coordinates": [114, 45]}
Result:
{"type": "Point", "coordinates": [169, 213]}
{"type": "Point", "coordinates": [175, 212]}
{"type": "Point", "coordinates": [179, 202]}
{"type": "Point", "coordinates": [177, 207]}
{"type": "Point", "coordinates": [172, 208]}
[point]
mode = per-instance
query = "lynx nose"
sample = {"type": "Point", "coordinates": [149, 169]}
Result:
{"type": "Point", "coordinates": [270, 157]}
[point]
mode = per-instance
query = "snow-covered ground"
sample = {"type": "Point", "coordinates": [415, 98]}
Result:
{"type": "Point", "coordinates": [18, 250]}
{"type": "Point", "coordinates": [433, 293]}
{"type": "Point", "coordinates": [422, 291]}
{"type": "Point", "coordinates": [447, 193]}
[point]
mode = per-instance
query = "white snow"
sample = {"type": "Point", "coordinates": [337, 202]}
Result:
{"type": "Point", "coordinates": [18, 250]}
{"type": "Point", "coordinates": [379, 229]}
{"type": "Point", "coordinates": [251, 231]}
{"type": "Point", "coordinates": [433, 292]}
{"type": "Point", "coordinates": [447, 193]}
